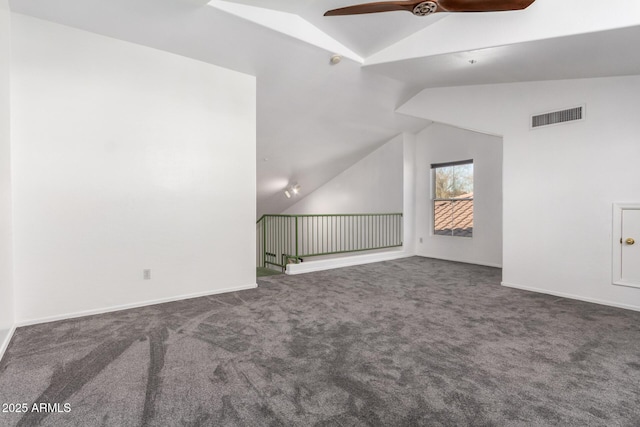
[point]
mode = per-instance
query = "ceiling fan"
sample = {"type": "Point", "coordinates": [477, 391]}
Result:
{"type": "Point", "coordinates": [423, 8]}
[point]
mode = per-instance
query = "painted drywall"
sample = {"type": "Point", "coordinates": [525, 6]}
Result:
{"type": "Point", "coordinates": [6, 279]}
{"type": "Point", "coordinates": [475, 31]}
{"type": "Point", "coordinates": [559, 182]}
{"type": "Point", "coordinates": [410, 172]}
{"type": "Point", "coordinates": [439, 144]}
{"type": "Point", "coordinates": [323, 264]}
{"type": "Point", "coordinates": [373, 178]}
{"type": "Point", "coordinates": [372, 185]}
{"type": "Point", "coordinates": [126, 158]}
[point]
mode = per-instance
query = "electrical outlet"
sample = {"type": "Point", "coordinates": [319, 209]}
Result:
{"type": "Point", "coordinates": [421, 240]}
{"type": "Point", "coordinates": [146, 274]}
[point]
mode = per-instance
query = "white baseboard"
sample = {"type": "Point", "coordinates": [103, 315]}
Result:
{"type": "Point", "coordinates": [5, 343]}
{"type": "Point", "coordinates": [347, 261]}
{"type": "Point", "coordinates": [132, 305]}
{"type": "Point", "coordinates": [571, 296]}
{"type": "Point", "coordinates": [466, 261]}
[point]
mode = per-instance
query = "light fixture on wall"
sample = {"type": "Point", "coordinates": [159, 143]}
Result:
{"type": "Point", "coordinates": [292, 190]}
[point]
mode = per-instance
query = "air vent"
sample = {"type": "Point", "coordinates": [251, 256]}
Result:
{"type": "Point", "coordinates": [557, 117]}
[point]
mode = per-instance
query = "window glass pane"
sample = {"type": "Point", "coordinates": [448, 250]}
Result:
{"type": "Point", "coordinates": [453, 200]}
{"type": "Point", "coordinates": [462, 218]}
{"type": "Point", "coordinates": [453, 181]}
{"type": "Point", "coordinates": [442, 214]}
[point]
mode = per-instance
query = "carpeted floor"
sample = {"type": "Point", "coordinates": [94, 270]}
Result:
{"type": "Point", "coordinates": [400, 343]}
{"type": "Point", "coordinates": [265, 272]}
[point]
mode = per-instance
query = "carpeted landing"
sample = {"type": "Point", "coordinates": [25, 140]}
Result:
{"type": "Point", "coordinates": [400, 343]}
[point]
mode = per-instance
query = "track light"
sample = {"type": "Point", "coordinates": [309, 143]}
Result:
{"type": "Point", "coordinates": [292, 190]}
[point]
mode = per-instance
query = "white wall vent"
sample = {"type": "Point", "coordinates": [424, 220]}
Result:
{"type": "Point", "coordinates": [557, 117]}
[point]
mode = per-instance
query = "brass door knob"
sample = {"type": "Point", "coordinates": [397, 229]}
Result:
{"type": "Point", "coordinates": [630, 241]}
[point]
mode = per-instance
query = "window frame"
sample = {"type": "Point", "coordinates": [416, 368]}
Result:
{"type": "Point", "coordinates": [434, 200]}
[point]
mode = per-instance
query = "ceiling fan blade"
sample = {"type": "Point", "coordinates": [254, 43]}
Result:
{"type": "Point", "coordinates": [482, 5]}
{"type": "Point", "coordinates": [383, 6]}
{"type": "Point", "coordinates": [427, 7]}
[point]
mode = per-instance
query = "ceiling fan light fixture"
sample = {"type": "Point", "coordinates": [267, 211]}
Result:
{"type": "Point", "coordinates": [425, 8]}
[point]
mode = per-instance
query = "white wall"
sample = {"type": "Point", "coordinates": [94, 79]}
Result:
{"type": "Point", "coordinates": [372, 185]}
{"type": "Point", "coordinates": [382, 182]}
{"type": "Point", "coordinates": [126, 158]}
{"type": "Point", "coordinates": [409, 192]}
{"type": "Point", "coordinates": [439, 144]}
{"type": "Point", "coordinates": [559, 183]}
{"type": "Point", "coordinates": [6, 282]}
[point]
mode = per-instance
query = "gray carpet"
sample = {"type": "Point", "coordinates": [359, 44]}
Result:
{"type": "Point", "coordinates": [400, 343]}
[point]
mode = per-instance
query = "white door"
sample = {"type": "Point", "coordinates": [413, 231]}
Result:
{"type": "Point", "coordinates": [630, 262]}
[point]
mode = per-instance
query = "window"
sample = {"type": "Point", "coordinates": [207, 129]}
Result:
{"type": "Point", "coordinates": [453, 198]}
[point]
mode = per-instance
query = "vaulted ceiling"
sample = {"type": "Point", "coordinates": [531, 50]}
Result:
{"type": "Point", "coordinates": [315, 119]}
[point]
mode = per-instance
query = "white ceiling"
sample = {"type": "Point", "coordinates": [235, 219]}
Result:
{"type": "Point", "coordinates": [314, 119]}
{"type": "Point", "coordinates": [364, 34]}
{"type": "Point", "coordinates": [587, 55]}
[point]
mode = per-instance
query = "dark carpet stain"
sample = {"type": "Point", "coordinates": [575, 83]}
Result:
{"type": "Point", "coordinates": [157, 350]}
{"type": "Point", "coordinates": [70, 378]}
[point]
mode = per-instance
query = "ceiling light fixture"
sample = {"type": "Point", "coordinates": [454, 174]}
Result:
{"type": "Point", "coordinates": [292, 190]}
{"type": "Point", "coordinates": [335, 59]}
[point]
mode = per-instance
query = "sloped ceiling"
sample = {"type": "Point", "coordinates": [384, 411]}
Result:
{"type": "Point", "coordinates": [316, 119]}
{"type": "Point", "coordinates": [365, 35]}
